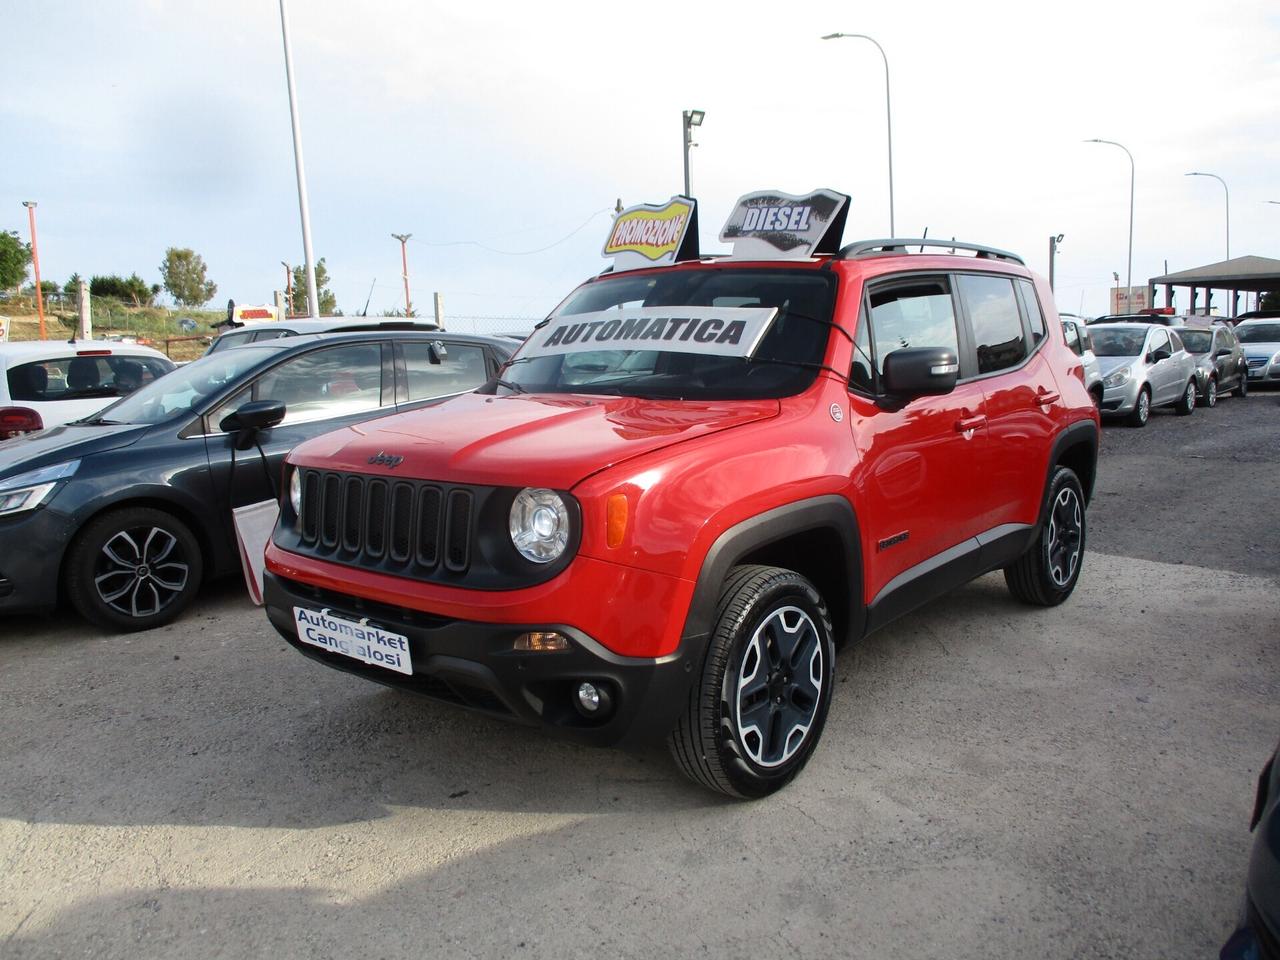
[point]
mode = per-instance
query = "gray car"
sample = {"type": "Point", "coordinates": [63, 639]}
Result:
{"type": "Point", "coordinates": [1143, 366]}
{"type": "Point", "coordinates": [1261, 342]}
{"type": "Point", "coordinates": [1077, 334]}
{"type": "Point", "coordinates": [1220, 362]}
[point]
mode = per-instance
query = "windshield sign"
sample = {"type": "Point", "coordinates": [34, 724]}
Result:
{"type": "Point", "coordinates": [710, 331]}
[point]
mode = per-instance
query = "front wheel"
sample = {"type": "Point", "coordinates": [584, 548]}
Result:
{"type": "Point", "coordinates": [1242, 388]}
{"type": "Point", "coordinates": [1211, 393]}
{"type": "Point", "coordinates": [1047, 573]}
{"type": "Point", "coordinates": [133, 569]}
{"type": "Point", "coordinates": [1141, 409]}
{"type": "Point", "coordinates": [1187, 403]}
{"type": "Point", "coordinates": [757, 711]}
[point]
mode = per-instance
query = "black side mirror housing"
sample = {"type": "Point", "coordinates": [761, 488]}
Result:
{"type": "Point", "coordinates": [248, 421]}
{"type": "Point", "coordinates": [920, 372]}
{"type": "Point", "coordinates": [1223, 352]}
{"type": "Point", "coordinates": [1155, 356]}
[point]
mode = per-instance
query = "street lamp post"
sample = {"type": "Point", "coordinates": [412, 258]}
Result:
{"type": "Point", "coordinates": [1128, 280]}
{"type": "Point", "coordinates": [313, 298]}
{"type": "Point", "coordinates": [688, 120]}
{"type": "Point", "coordinates": [404, 263]}
{"type": "Point", "coordinates": [888, 110]}
{"type": "Point", "coordinates": [1227, 194]}
{"type": "Point", "coordinates": [1053, 252]}
{"type": "Point", "coordinates": [35, 262]}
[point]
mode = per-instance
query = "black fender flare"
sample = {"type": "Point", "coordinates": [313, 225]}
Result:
{"type": "Point", "coordinates": [830, 512]}
{"type": "Point", "coordinates": [1082, 431]}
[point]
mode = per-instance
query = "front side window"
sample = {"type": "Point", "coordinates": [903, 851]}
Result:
{"type": "Point", "coordinates": [785, 363]}
{"type": "Point", "coordinates": [1159, 341]}
{"type": "Point", "coordinates": [186, 387]}
{"type": "Point", "coordinates": [460, 368]}
{"type": "Point", "coordinates": [917, 313]}
{"type": "Point", "coordinates": [82, 378]}
{"type": "Point", "coordinates": [998, 336]}
{"type": "Point", "coordinates": [332, 382]}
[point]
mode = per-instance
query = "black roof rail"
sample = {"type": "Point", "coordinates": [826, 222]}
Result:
{"type": "Point", "coordinates": [863, 248]}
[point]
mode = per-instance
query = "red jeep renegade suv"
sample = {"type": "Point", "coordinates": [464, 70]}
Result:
{"type": "Point", "coordinates": [687, 487]}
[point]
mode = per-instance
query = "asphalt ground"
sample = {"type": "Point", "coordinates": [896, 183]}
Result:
{"type": "Point", "coordinates": [995, 781]}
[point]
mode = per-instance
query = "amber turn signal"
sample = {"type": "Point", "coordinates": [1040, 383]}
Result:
{"type": "Point", "coordinates": [616, 526]}
{"type": "Point", "coordinates": [541, 641]}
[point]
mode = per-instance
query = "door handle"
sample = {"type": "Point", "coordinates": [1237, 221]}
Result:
{"type": "Point", "coordinates": [1046, 397]}
{"type": "Point", "coordinates": [965, 424]}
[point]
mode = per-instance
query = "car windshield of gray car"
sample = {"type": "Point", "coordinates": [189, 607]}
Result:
{"type": "Point", "coordinates": [1259, 333]}
{"type": "Point", "coordinates": [786, 362]}
{"type": "Point", "coordinates": [1196, 341]}
{"type": "Point", "coordinates": [1117, 341]}
{"type": "Point", "coordinates": [184, 388]}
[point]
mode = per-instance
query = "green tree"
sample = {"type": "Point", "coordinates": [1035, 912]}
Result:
{"type": "Point", "coordinates": [132, 289]}
{"type": "Point", "coordinates": [71, 289]}
{"type": "Point", "coordinates": [183, 273]}
{"type": "Point", "coordinates": [14, 257]}
{"type": "Point", "coordinates": [1270, 300]}
{"type": "Point", "coordinates": [328, 302]}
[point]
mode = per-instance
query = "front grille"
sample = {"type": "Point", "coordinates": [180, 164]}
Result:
{"type": "Point", "coordinates": [401, 526]}
{"type": "Point", "coordinates": [1257, 361]}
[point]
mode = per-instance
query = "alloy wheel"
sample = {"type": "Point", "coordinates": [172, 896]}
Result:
{"type": "Point", "coordinates": [1066, 532]}
{"type": "Point", "coordinates": [1144, 406]}
{"type": "Point", "coordinates": [140, 571]}
{"type": "Point", "coordinates": [779, 686]}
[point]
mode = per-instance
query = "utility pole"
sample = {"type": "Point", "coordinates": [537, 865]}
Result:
{"type": "Point", "coordinates": [1053, 252]}
{"type": "Point", "coordinates": [288, 288]}
{"type": "Point", "coordinates": [304, 208]}
{"type": "Point", "coordinates": [404, 263]}
{"type": "Point", "coordinates": [35, 262]}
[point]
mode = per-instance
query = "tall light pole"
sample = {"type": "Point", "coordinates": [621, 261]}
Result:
{"type": "Point", "coordinates": [888, 110]}
{"type": "Point", "coordinates": [1227, 193]}
{"type": "Point", "coordinates": [688, 120]}
{"type": "Point", "coordinates": [1053, 252]}
{"type": "Point", "coordinates": [288, 288]}
{"type": "Point", "coordinates": [1128, 280]}
{"type": "Point", "coordinates": [35, 262]}
{"type": "Point", "coordinates": [404, 263]}
{"type": "Point", "coordinates": [313, 298]}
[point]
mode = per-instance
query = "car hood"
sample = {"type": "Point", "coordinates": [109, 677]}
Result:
{"type": "Point", "coordinates": [68, 441]}
{"type": "Point", "coordinates": [546, 440]}
{"type": "Point", "coordinates": [1107, 364]}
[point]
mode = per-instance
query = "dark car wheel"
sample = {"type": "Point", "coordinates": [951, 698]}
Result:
{"type": "Point", "coordinates": [1047, 573]}
{"type": "Point", "coordinates": [1211, 393]}
{"type": "Point", "coordinates": [1242, 387]}
{"type": "Point", "coordinates": [757, 711]}
{"type": "Point", "coordinates": [1141, 409]}
{"type": "Point", "coordinates": [1187, 403]}
{"type": "Point", "coordinates": [133, 569]}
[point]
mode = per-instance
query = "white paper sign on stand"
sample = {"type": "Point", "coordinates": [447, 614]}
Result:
{"type": "Point", "coordinates": [254, 524]}
{"type": "Point", "coordinates": [709, 331]}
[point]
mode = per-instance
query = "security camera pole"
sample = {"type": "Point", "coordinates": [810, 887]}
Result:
{"type": "Point", "coordinates": [690, 119]}
{"type": "Point", "coordinates": [1053, 252]}
{"type": "Point", "coordinates": [313, 298]}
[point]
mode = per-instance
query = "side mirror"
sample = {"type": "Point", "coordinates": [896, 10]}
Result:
{"type": "Point", "coordinates": [920, 372]}
{"type": "Point", "coordinates": [1223, 352]}
{"type": "Point", "coordinates": [250, 420]}
{"type": "Point", "coordinates": [1155, 356]}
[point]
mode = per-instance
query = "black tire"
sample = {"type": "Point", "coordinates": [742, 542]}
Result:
{"type": "Point", "coordinates": [1242, 387]}
{"type": "Point", "coordinates": [752, 627]}
{"type": "Point", "coordinates": [1096, 395]}
{"type": "Point", "coordinates": [1211, 393]}
{"type": "Point", "coordinates": [1186, 404]}
{"type": "Point", "coordinates": [1141, 412]}
{"type": "Point", "coordinates": [1047, 573]}
{"type": "Point", "coordinates": [133, 569]}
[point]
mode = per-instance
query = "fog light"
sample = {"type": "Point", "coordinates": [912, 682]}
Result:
{"type": "Point", "coordinates": [541, 641]}
{"type": "Point", "coordinates": [588, 697]}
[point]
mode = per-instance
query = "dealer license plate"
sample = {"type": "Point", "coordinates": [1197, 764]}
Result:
{"type": "Point", "coordinates": [359, 641]}
{"type": "Point", "coordinates": [1255, 374]}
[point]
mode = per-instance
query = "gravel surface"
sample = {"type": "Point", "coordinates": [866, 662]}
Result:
{"type": "Point", "coordinates": [994, 781]}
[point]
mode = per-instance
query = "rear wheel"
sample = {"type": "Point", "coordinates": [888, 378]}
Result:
{"type": "Point", "coordinates": [1187, 403]}
{"type": "Point", "coordinates": [1047, 573]}
{"type": "Point", "coordinates": [1141, 409]}
{"type": "Point", "coordinates": [757, 711]}
{"type": "Point", "coordinates": [133, 569]}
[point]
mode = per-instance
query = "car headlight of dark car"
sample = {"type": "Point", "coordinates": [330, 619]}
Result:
{"type": "Point", "coordinates": [26, 491]}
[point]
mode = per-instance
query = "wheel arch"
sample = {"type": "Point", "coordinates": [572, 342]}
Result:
{"type": "Point", "coordinates": [1076, 447]}
{"type": "Point", "coordinates": [817, 538]}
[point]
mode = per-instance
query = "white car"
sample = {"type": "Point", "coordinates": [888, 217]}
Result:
{"type": "Point", "coordinates": [1077, 334]}
{"type": "Point", "coordinates": [253, 331]}
{"type": "Point", "coordinates": [44, 383]}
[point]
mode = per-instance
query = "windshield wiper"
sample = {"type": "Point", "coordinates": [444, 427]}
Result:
{"type": "Point", "coordinates": [97, 422]}
{"type": "Point", "coordinates": [513, 387]}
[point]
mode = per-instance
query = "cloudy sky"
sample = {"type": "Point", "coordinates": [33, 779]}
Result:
{"type": "Point", "coordinates": [501, 134]}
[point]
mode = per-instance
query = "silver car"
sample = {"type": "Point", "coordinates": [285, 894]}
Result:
{"type": "Point", "coordinates": [1261, 342]}
{"type": "Point", "coordinates": [1220, 361]}
{"type": "Point", "coordinates": [1143, 366]}
{"type": "Point", "coordinates": [1077, 334]}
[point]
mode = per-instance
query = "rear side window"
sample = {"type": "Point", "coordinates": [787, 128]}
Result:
{"type": "Point", "coordinates": [1034, 315]}
{"type": "Point", "coordinates": [461, 368]}
{"type": "Point", "coordinates": [82, 378]}
{"type": "Point", "coordinates": [1072, 333]}
{"type": "Point", "coordinates": [230, 340]}
{"type": "Point", "coordinates": [998, 337]}
{"type": "Point", "coordinates": [917, 313]}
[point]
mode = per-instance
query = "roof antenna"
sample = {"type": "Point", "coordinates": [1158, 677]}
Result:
{"type": "Point", "coordinates": [924, 236]}
{"type": "Point", "coordinates": [365, 311]}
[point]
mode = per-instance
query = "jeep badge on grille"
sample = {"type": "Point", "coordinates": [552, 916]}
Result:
{"type": "Point", "coordinates": [388, 460]}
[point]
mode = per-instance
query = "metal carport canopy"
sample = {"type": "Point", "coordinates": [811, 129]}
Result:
{"type": "Point", "coordinates": [1252, 274]}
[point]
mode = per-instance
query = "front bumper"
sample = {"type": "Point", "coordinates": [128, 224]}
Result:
{"type": "Point", "coordinates": [1121, 399]}
{"type": "Point", "coordinates": [1264, 371]}
{"type": "Point", "coordinates": [31, 549]}
{"type": "Point", "coordinates": [472, 664]}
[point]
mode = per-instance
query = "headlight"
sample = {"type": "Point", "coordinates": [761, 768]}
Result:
{"type": "Point", "coordinates": [295, 491]}
{"type": "Point", "coordinates": [1116, 377]}
{"type": "Point", "coordinates": [1276, 358]}
{"type": "Point", "coordinates": [25, 491]}
{"type": "Point", "coordinates": [539, 524]}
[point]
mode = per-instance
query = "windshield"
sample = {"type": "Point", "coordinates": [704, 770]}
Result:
{"type": "Point", "coordinates": [785, 363]}
{"type": "Point", "coordinates": [1258, 333]}
{"type": "Point", "coordinates": [1196, 341]}
{"type": "Point", "coordinates": [185, 388]}
{"type": "Point", "coordinates": [1117, 341]}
